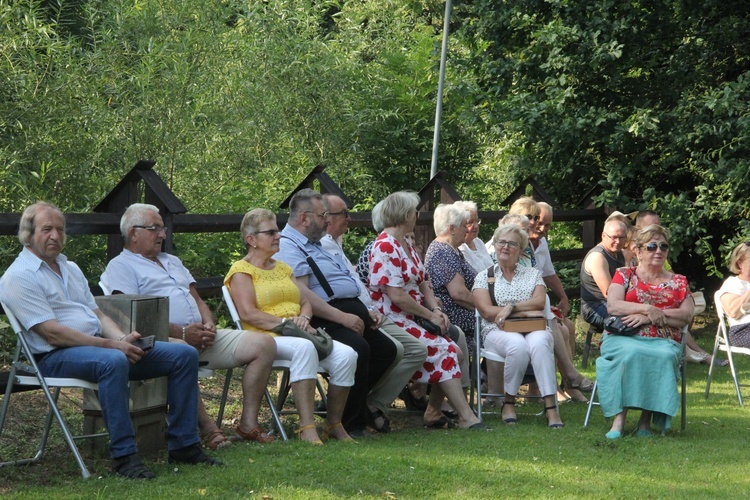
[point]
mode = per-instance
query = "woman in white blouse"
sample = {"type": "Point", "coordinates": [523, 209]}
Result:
{"type": "Point", "coordinates": [521, 290]}
{"type": "Point", "coordinates": [735, 296]}
{"type": "Point", "coordinates": [473, 248]}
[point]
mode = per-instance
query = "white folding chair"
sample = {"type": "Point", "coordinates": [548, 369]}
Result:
{"type": "Point", "coordinates": [480, 353]}
{"type": "Point", "coordinates": [722, 344]}
{"type": "Point", "coordinates": [203, 372]}
{"type": "Point", "coordinates": [683, 389]}
{"type": "Point", "coordinates": [278, 364]}
{"type": "Point", "coordinates": [27, 374]}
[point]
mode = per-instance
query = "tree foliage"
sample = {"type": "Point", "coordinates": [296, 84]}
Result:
{"type": "Point", "coordinates": [646, 99]}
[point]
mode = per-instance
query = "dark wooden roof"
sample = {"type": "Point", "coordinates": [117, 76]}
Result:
{"type": "Point", "coordinates": [540, 194]}
{"type": "Point", "coordinates": [327, 186]}
{"type": "Point", "coordinates": [447, 193]}
{"type": "Point", "coordinates": [126, 192]}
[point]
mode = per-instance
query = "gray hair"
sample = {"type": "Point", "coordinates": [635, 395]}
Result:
{"type": "Point", "coordinates": [446, 216]}
{"type": "Point", "coordinates": [397, 206]}
{"type": "Point", "coordinates": [135, 215]}
{"type": "Point", "coordinates": [517, 219]}
{"type": "Point", "coordinates": [543, 205]}
{"type": "Point", "coordinates": [26, 226]}
{"type": "Point", "coordinates": [469, 206]}
{"type": "Point", "coordinates": [377, 221]}
{"type": "Point", "coordinates": [302, 201]}
{"type": "Point", "coordinates": [511, 229]}
{"type": "Point", "coordinates": [252, 221]}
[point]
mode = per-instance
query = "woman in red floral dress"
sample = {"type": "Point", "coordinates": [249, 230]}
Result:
{"type": "Point", "coordinates": [400, 288]}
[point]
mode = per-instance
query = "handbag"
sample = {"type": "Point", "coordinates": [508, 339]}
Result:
{"type": "Point", "coordinates": [429, 326]}
{"type": "Point", "coordinates": [527, 324]}
{"type": "Point", "coordinates": [615, 326]}
{"type": "Point", "coordinates": [320, 339]}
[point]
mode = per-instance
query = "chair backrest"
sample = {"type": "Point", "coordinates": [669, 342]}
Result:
{"type": "Point", "coordinates": [231, 307]}
{"type": "Point", "coordinates": [721, 314]}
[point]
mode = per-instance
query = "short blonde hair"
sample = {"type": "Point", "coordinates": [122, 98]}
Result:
{"type": "Point", "coordinates": [252, 220]}
{"type": "Point", "coordinates": [514, 229]}
{"type": "Point", "coordinates": [525, 206]}
{"type": "Point", "coordinates": [649, 232]}
{"type": "Point", "coordinates": [739, 254]}
{"type": "Point", "coordinates": [397, 206]}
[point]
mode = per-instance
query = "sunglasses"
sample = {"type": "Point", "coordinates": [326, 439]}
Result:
{"type": "Point", "coordinates": [534, 218]}
{"type": "Point", "coordinates": [651, 247]}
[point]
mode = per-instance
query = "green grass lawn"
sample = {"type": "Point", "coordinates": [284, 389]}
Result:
{"type": "Point", "coordinates": [709, 459]}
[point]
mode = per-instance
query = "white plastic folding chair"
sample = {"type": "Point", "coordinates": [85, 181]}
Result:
{"type": "Point", "coordinates": [481, 353]}
{"type": "Point", "coordinates": [722, 344]}
{"type": "Point", "coordinates": [278, 364]}
{"type": "Point", "coordinates": [593, 401]}
{"type": "Point", "coordinates": [203, 372]}
{"type": "Point", "coordinates": [27, 374]}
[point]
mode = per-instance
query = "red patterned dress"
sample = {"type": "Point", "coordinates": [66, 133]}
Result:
{"type": "Point", "coordinates": [391, 265]}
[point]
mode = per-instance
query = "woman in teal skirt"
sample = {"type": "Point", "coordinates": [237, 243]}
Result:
{"type": "Point", "coordinates": [641, 371]}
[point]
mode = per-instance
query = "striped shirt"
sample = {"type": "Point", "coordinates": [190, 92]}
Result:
{"type": "Point", "coordinates": [35, 293]}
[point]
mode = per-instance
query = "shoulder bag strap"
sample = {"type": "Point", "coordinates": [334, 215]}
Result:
{"type": "Point", "coordinates": [315, 269]}
{"type": "Point", "coordinates": [491, 284]}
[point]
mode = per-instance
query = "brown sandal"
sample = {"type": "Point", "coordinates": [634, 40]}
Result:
{"type": "Point", "coordinates": [255, 435]}
{"type": "Point", "coordinates": [216, 440]}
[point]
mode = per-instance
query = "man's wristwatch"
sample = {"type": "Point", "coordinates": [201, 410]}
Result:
{"type": "Point", "coordinates": [184, 331]}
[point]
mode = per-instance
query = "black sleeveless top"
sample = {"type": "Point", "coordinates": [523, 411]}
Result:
{"type": "Point", "coordinates": [589, 289]}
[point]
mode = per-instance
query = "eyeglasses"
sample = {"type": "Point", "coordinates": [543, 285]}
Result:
{"type": "Point", "coordinates": [616, 238]}
{"type": "Point", "coordinates": [534, 218]}
{"type": "Point", "coordinates": [345, 213]}
{"type": "Point", "coordinates": [269, 232]}
{"type": "Point", "coordinates": [477, 222]}
{"type": "Point", "coordinates": [154, 229]}
{"type": "Point", "coordinates": [322, 216]}
{"type": "Point", "coordinates": [651, 247]}
{"type": "Point", "coordinates": [507, 244]}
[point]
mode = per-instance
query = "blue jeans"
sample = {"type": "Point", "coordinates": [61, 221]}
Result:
{"type": "Point", "coordinates": [112, 371]}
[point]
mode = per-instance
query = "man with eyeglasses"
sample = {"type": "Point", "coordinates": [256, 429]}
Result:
{"type": "Point", "coordinates": [143, 269]}
{"type": "Point", "coordinates": [70, 337]}
{"type": "Point", "coordinates": [597, 270]}
{"type": "Point", "coordinates": [411, 352]}
{"type": "Point", "coordinates": [334, 295]}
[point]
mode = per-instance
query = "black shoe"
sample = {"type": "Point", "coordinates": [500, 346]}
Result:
{"type": "Point", "coordinates": [131, 467]}
{"type": "Point", "coordinates": [412, 403]}
{"type": "Point", "coordinates": [191, 455]}
{"type": "Point", "coordinates": [359, 433]}
{"type": "Point", "coordinates": [378, 421]}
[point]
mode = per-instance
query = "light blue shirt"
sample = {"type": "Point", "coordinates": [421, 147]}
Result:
{"type": "Point", "coordinates": [35, 294]}
{"type": "Point", "coordinates": [333, 267]}
{"type": "Point", "coordinates": [133, 273]}
{"type": "Point", "coordinates": [332, 246]}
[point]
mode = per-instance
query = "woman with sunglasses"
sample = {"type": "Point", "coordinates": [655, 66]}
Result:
{"type": "Point", "coordinates": [266, 294]}
{"type": "Point", "coordinates": [641, 371]}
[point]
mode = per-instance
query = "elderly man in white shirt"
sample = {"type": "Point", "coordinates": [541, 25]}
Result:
{"type": "Point", "coordinates": [411, 352]}
{"type": "Point", "coordinates": [142, 268]}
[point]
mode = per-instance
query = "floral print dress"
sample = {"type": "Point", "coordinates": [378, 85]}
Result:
{"type": "Point", "coordinates": [666, 295]}
{"type": "Point", "coordinates": [396, 266]}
